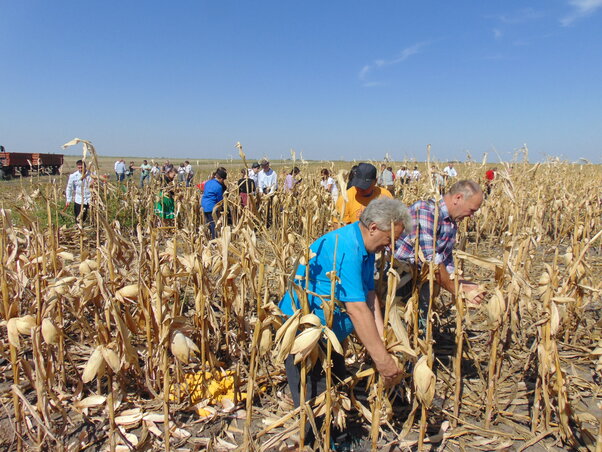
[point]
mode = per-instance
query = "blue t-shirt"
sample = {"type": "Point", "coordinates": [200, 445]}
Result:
{"type": "Point", "coordinates": [354, 267]}
{"type": "Point", "coordinates": [213, 193]}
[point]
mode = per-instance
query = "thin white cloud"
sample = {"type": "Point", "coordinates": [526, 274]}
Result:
{"type": "Point", "coordinates": [580, 9]}
{"type": "Point", "coordinates": [382, 63]}
{"type": "Point", "coordinates": [497, 33]}
{"type": "Point", "coordinates": [364, 72]}
{"type": "Point", "coordinates": [520, 16]}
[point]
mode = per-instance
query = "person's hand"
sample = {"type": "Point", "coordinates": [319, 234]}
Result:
{"type": "Point", "coordinates": [390, 371]}
{"type": "Point", "coordinates": [474, 293]}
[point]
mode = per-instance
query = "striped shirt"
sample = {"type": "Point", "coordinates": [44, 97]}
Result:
{"type": "Point", "coordinates": [423, 214]}
{"type": "Point", "coordinates": [78, 188]}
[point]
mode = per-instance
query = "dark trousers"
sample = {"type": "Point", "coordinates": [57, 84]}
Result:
{"type": "Point", "coordinates": [77, 208]}
{"type": "Point", "coordinates": [268, 216]}
{"type": "Point", "coordinates": [210, 222]}
{"type": "Point", "coordinates": [315, 384]}
{"type": "Point", "coordinates": [405, 292]}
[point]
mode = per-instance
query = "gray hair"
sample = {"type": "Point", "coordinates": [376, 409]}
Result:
{"type": "Point", "coordinates": [383, 211]}
{"type": "Point", "coordinates": [465, 187]}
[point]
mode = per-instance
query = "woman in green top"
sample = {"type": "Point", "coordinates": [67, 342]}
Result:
{"type": "Point", "coordinates": [165, 207]}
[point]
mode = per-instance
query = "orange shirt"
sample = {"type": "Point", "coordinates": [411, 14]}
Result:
{"type": "Point", "coordinates": [356, 204]}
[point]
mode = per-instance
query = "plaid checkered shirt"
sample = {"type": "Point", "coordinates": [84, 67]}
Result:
{"type": "Point", "coordinates": [423, 214]}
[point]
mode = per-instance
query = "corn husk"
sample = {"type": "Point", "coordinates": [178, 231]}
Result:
{"type": "Point", "coordinates": [130, 291]}
{"type": "Point", "coordinates": [496, 308]}
{"type": "Point", "coordinates": [93, 366]}
{"type": "Point", "coordinates": [25, 324]}
{"type": "Point", "coordinates": [13, 333]}
{"type": "Point", "coordinates": [265, 343]}
{"type": "Point", "coordinates": [305, 343]}
{"type": "Point", "coordinates": [87, 266]}
{"type": "Point", "coordinates": [111, 358]}
{"type": "Point", "coordinates": [182, 346]}
{"type": "Point", "coordinates": [424, 382]}
{"type": "Point", "coordinates": [50, 332]}
{"type": "Point", "coordinates": [62, 286]}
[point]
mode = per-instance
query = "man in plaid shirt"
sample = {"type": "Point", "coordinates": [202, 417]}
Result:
{"type": "Point", "coordinates": [463, 200]}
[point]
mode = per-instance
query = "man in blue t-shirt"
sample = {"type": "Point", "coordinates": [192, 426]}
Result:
{"type": "Point", "coordinates": [212, 194]}
{"type": "Point", "coordinates": [356, 245]}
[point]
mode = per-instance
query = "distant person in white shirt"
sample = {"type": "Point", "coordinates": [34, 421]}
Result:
{"type": "Point", "coordinates": [385, 179]}
{"type": "Point", "coordinates": [329, 184]}
{"type": "Point", "coordinates": [155, 171]}
{"type": "Point", "coordinates": [403, 175]}
{"type": "Point", "coordinates": [120, 169]}
{"type": "Point", "coordinates": [182, 173]}
{"type": "Point", "coordinates": [253, 173]}
{"type": "Point", "coordinates": [267, 179]}
{"type": "Point", "coordinates": [438, 179]}
{"type": "Point", "coordinates": [189, 173]}
{"type": "Point", "coordinates": [416, 174]}
{"type": "Point", "coordinates": [268, 183]}
{"type": "Point", "coordinates": [78, 191]}
{"type": "Point", "coordinates": [449, 171]}
{"type": "Point", "coordinates": [116, 173]}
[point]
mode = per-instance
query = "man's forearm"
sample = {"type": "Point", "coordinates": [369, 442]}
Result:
{"type": "Point", "coordinates": [444, 280]}
{"type": "Point", "coordinates": [374, 305]}
{"type": "Point", "coordinates": [363, 320]}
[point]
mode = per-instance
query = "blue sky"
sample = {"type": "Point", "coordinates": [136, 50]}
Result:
{"type": "Point", "coordinates": [330, 79]}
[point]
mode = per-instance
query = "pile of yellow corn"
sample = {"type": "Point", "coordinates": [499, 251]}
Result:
{"type": "Point", "coordinates": [210, 387]}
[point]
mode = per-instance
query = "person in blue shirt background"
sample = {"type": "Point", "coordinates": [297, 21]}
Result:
{"type": "Point", "coordinates": [355, 252]}
{"type": "Point", "coordinates": [213, 193]}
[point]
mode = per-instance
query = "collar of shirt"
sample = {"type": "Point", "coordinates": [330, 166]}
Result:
{"type": "Point", "coordinates": [444, 212]}
{"type": "Point", "coordinates": [360, 240]}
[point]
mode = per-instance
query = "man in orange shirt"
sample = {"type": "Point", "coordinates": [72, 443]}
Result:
{"type": "Point", "coordinates": [363, 190]}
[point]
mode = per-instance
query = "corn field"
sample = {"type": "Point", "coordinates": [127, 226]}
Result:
{"type": "Point", "coordinates": [127, 333]}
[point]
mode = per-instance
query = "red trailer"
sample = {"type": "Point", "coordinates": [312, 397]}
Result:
{"type": "Point", "coordinates": [14, 163]}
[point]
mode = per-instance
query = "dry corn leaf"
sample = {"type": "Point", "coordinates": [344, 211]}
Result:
{"type": "Point", "coordinates": [129, 420]}
{"type": "Point", "coordinates": [336, 345]}
{"type": "Point", "coordinates": [554, 319]}
{"type": "Point", "coordinates": [154, 417]}
{"type": "Point", "coordinates": [63, 285]}
{"type": "Point", "coordinates": [490, 263]}
{"type": "Point", "coordinates": [90, 402]}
